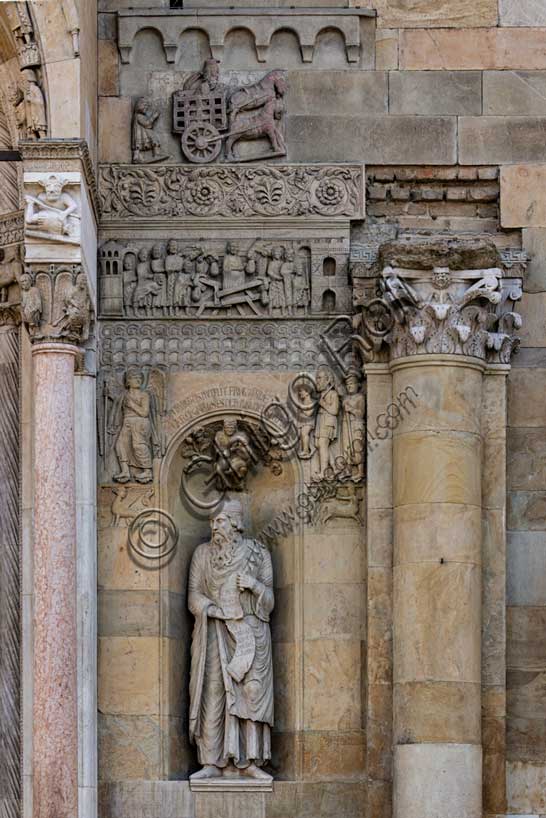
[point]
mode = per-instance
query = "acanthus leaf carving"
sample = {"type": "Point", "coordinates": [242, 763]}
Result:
{"type": "Point", "coordinates": [231, 191]}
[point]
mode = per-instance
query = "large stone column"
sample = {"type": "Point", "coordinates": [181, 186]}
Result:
{"type": "Point", "coordinates": [10, 573]}
{"type": "Point", "coordinates": [55, 740]}
{"type": "Point", "coordinates": [446, 316]}
{"type": "Point", "coordinates": [437, 458]}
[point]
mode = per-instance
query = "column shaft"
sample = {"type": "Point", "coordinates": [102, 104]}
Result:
{"type": "Point", "coordinates": [55, 739]}
{"type": "Point", "coordinates": [437, 457]}
{"type": "Point", "coordinates": [86, 483]}
{"type": "Point", "coordinates": [10, 575]}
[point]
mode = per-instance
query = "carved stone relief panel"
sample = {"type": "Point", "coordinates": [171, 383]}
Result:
{"type": "Point", "coordinates": [55, 303]}
{"type": "Point", "coordinates": [27, 95]}
{"type": "Point", "coordinates": [261, 278]}
{"type": "Point", "coordinates": [53, 216]}
{"type": "Point", "coordinates": [231, 191]}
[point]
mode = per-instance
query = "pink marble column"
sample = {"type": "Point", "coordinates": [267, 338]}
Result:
{"type": "Point", "coordinates": [55, 718]}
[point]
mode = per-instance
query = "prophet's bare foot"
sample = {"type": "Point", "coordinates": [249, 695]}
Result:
{"type": "Point", "coordinates": [253, 771]}
{"type": "Point", "coordinates": [208, 771]}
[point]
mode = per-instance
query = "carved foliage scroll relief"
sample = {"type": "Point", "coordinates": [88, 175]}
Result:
{"type": "Point", "coordinates": [231, 191]}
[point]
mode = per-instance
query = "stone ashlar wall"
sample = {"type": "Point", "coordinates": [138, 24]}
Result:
{"type": "Point", "coordinates": [448, 104]}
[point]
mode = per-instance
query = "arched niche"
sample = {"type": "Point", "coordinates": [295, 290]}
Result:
{"type": "Point", "coordinates": [330, 51]}
{"type": "Point", "coordinates": [240, 51]}
{"type": "Point", "coordinates": [270, 494]}
{"type": "Point", "coordinates": [148, 55]}
{"type": "Point", "coordinates": [284, 50]}
{"type": "Point", "coordinates": [193, 50]}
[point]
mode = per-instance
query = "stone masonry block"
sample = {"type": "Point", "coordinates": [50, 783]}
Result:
{"type": "Point", "coordinates": [522, 13]}
{"type": "Point", "coordinates": [430, 13]}
{"type": "Point", "coordinates": [435, 92]}
{"type": "Point", "coordinates": [502, 140]}
{"type": "Point", "coordinates": [337, 93]}
{"type": "Point", "coordinates": [514, 93]}
{"type": "Point", "coordinates": [374, 139]}
{"type": "Point", "coordinates": [523, 196]}
{"type": "Point", "coordinates": [480, 48]}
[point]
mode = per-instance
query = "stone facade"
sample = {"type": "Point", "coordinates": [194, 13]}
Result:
{"type": "Point", "coordinates": [291, 261]}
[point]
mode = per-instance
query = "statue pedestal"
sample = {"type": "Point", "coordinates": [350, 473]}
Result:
{"type": "Point", "coordinates": [230, 797]}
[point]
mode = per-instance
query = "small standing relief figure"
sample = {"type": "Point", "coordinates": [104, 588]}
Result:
{"type": "Point", "coordinates": [230, 594]}
{"type": "Point", "coordinates": [352, 426]}
{"type": "Point", "coordinates": [135, 423]}
{"type": "Point", "coordinates": [75, 318]}
{"type": "Point", "coordinates": [145, 142]}
{"type": "Point", "coordinates": [147, 288]}
{"type": "Point", "coordinates": [31, 302]}
{"type": "Point", "coordinates": [277, 292]}
{"type": "Point", "coordinates": [29, 106]}
{"type": "Point", "coordinates": [53, 213]}
{"type": "Point", "coordinates": [327, 417]}
{"type": "Point", "coordinates": [306, 410]}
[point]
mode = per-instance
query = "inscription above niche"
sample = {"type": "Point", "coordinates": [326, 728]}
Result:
{"type": "Point", "coordinates": [256, 278]}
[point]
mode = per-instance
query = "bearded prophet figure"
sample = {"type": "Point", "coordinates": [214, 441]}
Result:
{"type": "Point", "coordinates": [231, 687]}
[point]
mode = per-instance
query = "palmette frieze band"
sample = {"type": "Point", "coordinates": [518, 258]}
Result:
{"type": "Point", "coordinates": [231, 191]}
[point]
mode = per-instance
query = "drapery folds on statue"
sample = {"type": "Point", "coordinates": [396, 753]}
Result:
{"type": "Point", "coordinates": [231, 686]}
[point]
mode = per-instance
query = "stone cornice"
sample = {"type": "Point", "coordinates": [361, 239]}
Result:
{"type": "Point", "coordinates": [12, 228]}
{"type": "Point", "coordinates": [59, 150]}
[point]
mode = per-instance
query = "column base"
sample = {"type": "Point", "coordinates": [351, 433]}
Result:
{"type": "Point", "coordinates": [432, 780]}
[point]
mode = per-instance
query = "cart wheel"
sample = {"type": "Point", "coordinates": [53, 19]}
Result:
{"type": "Point", "coordinates": [201, 142]}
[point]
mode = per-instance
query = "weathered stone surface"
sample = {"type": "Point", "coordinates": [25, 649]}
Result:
{"type": "Point", "coordinates": [332, 672]}
{"type": "Point", "coordinates": [525, 404]}
{"type": "Point", "coordinates": [526, 787]}
{"type": "Point", "coordinates": [380, 537]}
{"type": "Point", "coordinates": [380, 589]}
{"type": "Point", "coordinates": [430, 13]}
{"type": "Point", "coordinates": [386, 49]}
{"type": "Point", "coordinates": [526, 568]}
{"type": "Point", "coordinates": [379, 731]}
{"type": "Point", "coordinates": [526, 647]}
{"type": "Point", "coordinates": [526, 739]}
{"type": "Point", "coordinates": [146, 799]}
{"type": "Point", "coordinates": [534, 242]}
{"type": "Point", "coordinates": [526, 693]}
{"type": "Point", "coordinates": [129, 747]}
{"type": "Point", "coordinates": [481, 48]}
{"type": "Point", "coordinates": [514, 93]}
{"type": "Point", "coordinates": [526, 510]}
{"type": "Point", "coordinates": [128, 613]}
{"type": "Point", "coordinates": [334, 609]}
{"type": "Point", "coordinates": [527, 459]}
{"type": "Point", "coordinates": [337, 93]}
{"type": "Point", "coordinates": [334, 755]}
{"type": "Point", "coordinates": [435, 93]}
{"type": "Point", "coordinates": [437, 712]}
{"type": "Point", "coordinates": [533, 313]}
{"type": "Point", "coordinates": [331, 800]}
{"type": "Point", "coordinates": [522, 13]}
{"type": "Point", "coordinates": [108, 68]}
{"type": "Point", "coordinates": [380, 140]}
{"type": "Point", "coordinates": [483, 140]}
{"type": "Point", "coordinates": [453, 476]}
{"type": "Point", "coordinates": [428, 533]}
{"type": "Point", "coordinates": [332, 559]}
{"type": "Point", "coordinates": [440, 398]}
{"type": "Point", "coordinates": [128, 675]}
{"type": "Point", "coordinates": [429, 644]}
{"type": "Point", "coordinates": [494, 598]}
{"type": "Point", "coordinates": [437, 779]}
{"type": "Point", "coordinates": [114, 129]}
{"type": "Point", "coordinates": [523, 196]}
